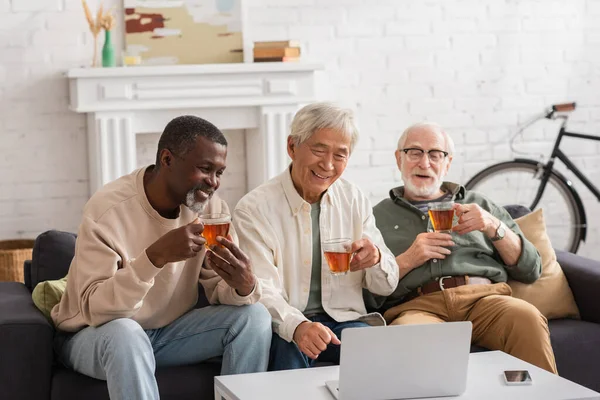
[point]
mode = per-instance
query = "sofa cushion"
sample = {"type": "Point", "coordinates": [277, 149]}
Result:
{"type": "Point", "coordinates": [47, 294]}
{"type": "Point", "coordinates": [576, 346]}
{"type": "Point", "coordinates": [551, 293]}
{"type": "Point", "coordinates": [52, 255]}
{"type": "Point", "coordinates": [174, 383]}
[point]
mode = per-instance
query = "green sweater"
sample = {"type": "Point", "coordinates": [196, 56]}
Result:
{"type": "Point", "coordinates": [473, 254]}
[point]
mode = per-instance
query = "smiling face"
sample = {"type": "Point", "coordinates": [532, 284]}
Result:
{"type": "Point", "coordinates": [318, 162]}
{"type": "Point", "coordinates": [423, 178]}
{"type": "Point", "coordinates": [194, 177]}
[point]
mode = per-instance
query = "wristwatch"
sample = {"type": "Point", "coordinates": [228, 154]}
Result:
{"type": "Point", "coordinates": [500, 232]}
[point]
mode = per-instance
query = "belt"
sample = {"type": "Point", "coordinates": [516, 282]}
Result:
{"type": "Point", "coordinates": [446, 282]}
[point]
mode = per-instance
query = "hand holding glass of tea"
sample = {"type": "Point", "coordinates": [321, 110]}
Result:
{"type": "Point", "coordinates": [231, 264]}
{"type": "Point", "coordinates": [471, 217]}
{"type": "Point", "coordinates": [215, 225]}
{"type": "Point", "coordinates": [338, 253]}
{"type": "Point", "coordinates": [343, 255]}
{"type": "Point", "coordinates": [441, 215]}
{"type": "Point", "coordinates": [364, 254]}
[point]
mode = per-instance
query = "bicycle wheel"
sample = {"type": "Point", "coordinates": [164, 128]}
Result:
{"type": "Point", "coordinates": [517, 182]}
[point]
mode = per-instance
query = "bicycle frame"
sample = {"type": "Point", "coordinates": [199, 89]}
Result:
{"type": "Point", "coordinates": [557, 153]}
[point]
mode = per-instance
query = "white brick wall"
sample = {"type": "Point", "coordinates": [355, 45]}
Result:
{"type": "Point", "coordinates": [479, 67]}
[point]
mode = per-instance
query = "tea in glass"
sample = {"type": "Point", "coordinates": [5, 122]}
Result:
{"type": "Point", "coordinates": [338, 255]}
{"type": "Point", "coordinates": [215, 225]}
{"type": "Point", "coordinates": [442, 216]}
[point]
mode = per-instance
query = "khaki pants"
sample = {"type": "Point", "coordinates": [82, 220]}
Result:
{"type": "Point", "coordinates": [500, 322]}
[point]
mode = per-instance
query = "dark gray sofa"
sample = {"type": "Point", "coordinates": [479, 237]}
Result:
{"type": "Point", "coordinates": [28, 369]}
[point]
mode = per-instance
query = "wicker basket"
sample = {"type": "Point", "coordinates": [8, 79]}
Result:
{"type": "Point", "coordinates": [13, 254]}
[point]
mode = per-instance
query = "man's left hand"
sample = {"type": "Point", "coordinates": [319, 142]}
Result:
{"type": "Point", "coordinates": [366, 254]}
{"type": "Point", "coordinates": [233, 266]}
{"type": "Point", "coordinates": [471, 218]}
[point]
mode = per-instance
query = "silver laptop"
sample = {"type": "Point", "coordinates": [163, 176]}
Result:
{"type": "Point", "coordinates": [403, 361]}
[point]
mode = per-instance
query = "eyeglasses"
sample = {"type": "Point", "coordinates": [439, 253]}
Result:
{"type": "Point", "coordinates": [435, 156]}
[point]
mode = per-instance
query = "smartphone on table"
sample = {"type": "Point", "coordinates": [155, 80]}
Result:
{"type": "Point", "coordinates": [517, 378]}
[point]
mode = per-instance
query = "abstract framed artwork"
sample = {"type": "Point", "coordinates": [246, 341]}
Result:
{"type": "Point", "coordinates": [169, 32]}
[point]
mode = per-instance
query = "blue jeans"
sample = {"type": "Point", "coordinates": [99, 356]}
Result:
{"type": "Point", "coordinates": [287, 355]}
{"type": "Point", "coordinates": [126, 356]}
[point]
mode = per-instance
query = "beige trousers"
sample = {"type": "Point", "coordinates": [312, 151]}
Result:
{"type": "Point", "coordinates": [500, 321]}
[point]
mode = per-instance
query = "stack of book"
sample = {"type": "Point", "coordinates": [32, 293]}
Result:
{"type": "Point", "coordinates": [282, 51]}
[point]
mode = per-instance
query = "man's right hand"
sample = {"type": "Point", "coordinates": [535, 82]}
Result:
{"type": "Point", "coordinates": [313, 337]}
{"type": "Point", "coordinates": [177, 245]}
{"type": "Point", "coordinates": [426, 246]}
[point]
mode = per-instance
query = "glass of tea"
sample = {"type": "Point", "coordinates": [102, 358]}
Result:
{"type": "Point", "coordinates": [338, 255]}
{"type": "Point", "coordinates": [441, 215]}
{"type": "Point", "coordinates": [215, 225]}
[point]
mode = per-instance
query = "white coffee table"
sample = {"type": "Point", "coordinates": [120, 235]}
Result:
{"type": "Point", "coordinates": [484, 381]}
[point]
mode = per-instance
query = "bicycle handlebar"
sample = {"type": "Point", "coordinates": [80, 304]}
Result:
{"type": "Point", "coordinates": [564, 107]}
{"type": "Point", "coordinates": [549, 113]}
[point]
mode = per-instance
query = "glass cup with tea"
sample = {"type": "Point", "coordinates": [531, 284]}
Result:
{"type": "Point", "coordinates": [215, 225]}
{"type": "Point", "coordinates": [338, 255]}
{"type": "Point", "coordinates": [441, 215]}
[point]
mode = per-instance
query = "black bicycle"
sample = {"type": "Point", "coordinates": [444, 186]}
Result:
{"type": "Point", "coordinates": [536, 184]}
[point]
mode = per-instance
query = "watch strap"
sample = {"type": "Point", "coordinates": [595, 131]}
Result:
{"type": "Point", "coordinates": [499, 236]}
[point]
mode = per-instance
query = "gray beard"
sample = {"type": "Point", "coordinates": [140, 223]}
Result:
{"type": "Point", "coordinates": [422, 191]}
{"type": "Point", "coordinates": [191, 203]}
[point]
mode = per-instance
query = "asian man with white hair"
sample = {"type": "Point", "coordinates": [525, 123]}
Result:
{"type": "Point", "coordinates": [282, 226]}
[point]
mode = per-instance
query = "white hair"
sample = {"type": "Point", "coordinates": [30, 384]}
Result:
{"type": "Point", "coordinates": [431, 126]}
{"type": "Point", "coordinates": [316, 116]}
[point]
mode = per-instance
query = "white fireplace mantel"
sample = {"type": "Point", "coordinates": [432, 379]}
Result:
{"type": "Point", "coordinates": [260, 98]}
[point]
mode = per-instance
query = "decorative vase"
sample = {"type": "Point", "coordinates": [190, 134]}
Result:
{"type": "Point", "coordinates": [225, 6]}
{"type": "Point", "coordinates": [108, 51]}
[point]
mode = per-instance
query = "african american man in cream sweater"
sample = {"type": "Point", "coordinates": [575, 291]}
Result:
{"type": "Point", "coordinates": [133, 283]}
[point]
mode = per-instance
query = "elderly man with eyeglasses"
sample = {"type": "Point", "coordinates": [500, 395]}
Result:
{"type": "Point", "coordinates": [458, 276]}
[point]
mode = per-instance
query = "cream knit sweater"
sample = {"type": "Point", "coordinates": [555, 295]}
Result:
{"type": "Point", "coordinates": [111, 276]}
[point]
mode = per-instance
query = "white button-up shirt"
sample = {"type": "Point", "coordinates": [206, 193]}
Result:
{"type": "Point", "coordinates": [274, 227]}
